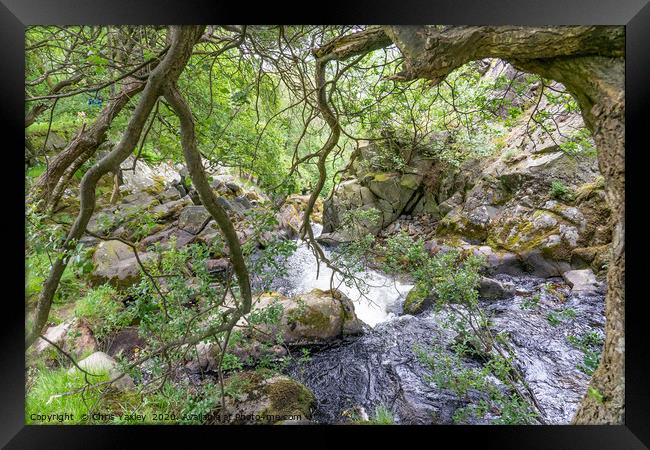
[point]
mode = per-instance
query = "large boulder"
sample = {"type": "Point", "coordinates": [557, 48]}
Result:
{"type": "Point", "coordinates": [134, 204]}
{"type": "Point", "coordinates": [100, 362]}
{"type": "Point", "coordinates": [72, 335]}
{"type": "Point", "coordinates": [268, 401]}
{"type": "Point", "coordinates": [205, 356]}
{"type": "Point", "coordinates": [115, 263]}
{"type": "Point", "coordinates": [289, 220]}
{"type": "Point", "coordinates": [146, 177]}
{"type": "Point", "coordinates": [418, 300]}
{"type": "Point", "coordinates": [349, 195]}
{"type": "Point", "coordinates": [171, 209]}
{"type": "Point", "coordinates": [581, 280]}
{"type": "Point", "coordinates": [56, 334]}
{"type": "Point", "coordinates": [313, 318]}
{"type": "Point", "coordinates": [292, 213]}
{"type": "Point", "coordinates": [372, 182]}
{"type": "Point", "coordinates": [193, 219]}
{"type": "Point", "coordinates": [181, 238]}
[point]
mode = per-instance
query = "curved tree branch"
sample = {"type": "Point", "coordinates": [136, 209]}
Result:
{"type": "Point", "coordinates": [182, 41]}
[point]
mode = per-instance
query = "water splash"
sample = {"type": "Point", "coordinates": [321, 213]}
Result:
{"type": "Point", "coordinates": [380, 368]}
{"type": "Point", "coordinates": [378, 299]}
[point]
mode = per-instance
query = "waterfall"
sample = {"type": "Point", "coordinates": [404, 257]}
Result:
{"type": "Point", "coordinates": [377, 298]}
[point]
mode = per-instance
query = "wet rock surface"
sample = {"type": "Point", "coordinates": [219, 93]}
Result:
{"type": "Point", "coordinates": [317, 316]}
{"type": "Point", "coordinates": [381, 367]}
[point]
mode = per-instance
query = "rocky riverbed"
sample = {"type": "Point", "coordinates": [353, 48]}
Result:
{"type": "Point", "coordinates": [380, 368]}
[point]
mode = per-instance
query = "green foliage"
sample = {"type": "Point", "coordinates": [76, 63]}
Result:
{"type": "Point", "coordinates": [41, 397]}
{"type": "Point", "coordinates": [103, 310]}
{"type": "Point", "coordinates": [383, 416]}
{"type": "Point", "coordinates": [449, 372]}
{"type": "Point", "coordinates": [590, 343]}
{"type": "Point", "coordinates": [34, 172]}
{"type": "Point", "coordinates": [249, 119]}
{"type": "Point", "coordinates": [270, 263]}
{"type": "Point", "coordinates": [557, 317]}
{"type": "Point", "coordinates": [595, 394]}
{"type": "Point", "coordinates": [45, 238]}
{"type": "Point", "coordinates": [561, 192]}
{"type": "Point", "coordinates": [453, 279]}
{"type": "Point", "coordinates": [580, 144]}
{"type": "Point", "coordinates": [357, 222]}
{"type": "Point", "coordinates": [531, 303]}
{"type": "Point", "coordinates": [199, 404]}
{"type": "Point", "coordinates": [509, 155]}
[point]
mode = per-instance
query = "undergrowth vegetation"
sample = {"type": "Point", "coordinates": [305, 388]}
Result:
{"type": "Point", "coordinates": [258, 115]}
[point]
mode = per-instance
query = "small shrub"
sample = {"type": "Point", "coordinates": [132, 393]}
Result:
{"type": "Point", "coordinates": [560, 191]}
{"type": "Point", "coordinates": [557, 317]}
{"type": "Point", "coordinates": [102, 310]}
{"type": "Point", "coordinates": [590, 343]}
{"type": "Point", "coordinates": [509, 155]}
{"type": "Point", "coordinates": [531, 303]}
{"type": "Point", "coordinates": [383, 416]}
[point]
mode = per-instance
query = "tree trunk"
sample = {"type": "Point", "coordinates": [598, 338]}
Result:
{"type": "Point", "coordinates": [182, 41]}
{"type": "Point", "coordinates": [64, 181]}
{"type": "Point", "coordinates": [115, 195]}
{"type": "Point", "coordinates": [599, 86]}
{"type": "Point", "coordinates": [86, 143]}
{"type": "Point", "coordinates": [589, 61]}
{"type": "Point", "coordinates": [208, 199]}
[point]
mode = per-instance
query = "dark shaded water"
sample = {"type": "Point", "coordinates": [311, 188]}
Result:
{"type": "Point", "coordinates": [380, 368]}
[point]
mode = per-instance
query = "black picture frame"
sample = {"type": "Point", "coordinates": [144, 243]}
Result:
{"type": "Point", "coordinates": [633, 14]}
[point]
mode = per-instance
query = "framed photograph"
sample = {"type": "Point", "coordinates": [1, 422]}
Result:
{"type": "Point", "coordinates": [245, 217]}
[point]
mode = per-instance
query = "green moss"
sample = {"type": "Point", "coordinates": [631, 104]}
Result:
{"type": "Point", "coordinates": [288, 397]}
{"type": "Point", "coordinates": [157, 187]}
{"type": "Point", "coordinates": [410, 181]}
{"type": "Point", "coordinates": [382, 176]}
{"type": "Point", "coordinates": [585, 191]}
{"type": "Point", "coordinates": [416, 299]}
{"type": "Point", "coordinates": [519, 237]}
{"type": "Point", "coordinates": [312, 318]}
{"type": "Point", "coordinates": [461, 226]}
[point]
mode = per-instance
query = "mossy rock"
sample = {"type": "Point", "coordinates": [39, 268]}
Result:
{"type": "Point", "coordinates": [383, 176]}
{"type": "Point", "coordinates": [596, 257]}
{"type": "Point", "coordinates": [265, 399]}
{"type": "Point", "coordinates": [410, 181]}
{"type": "Point", "coordinates": [314, 317]}
{"type": "Point", "coordinates": [458, 225]}
{"type": "Point", "coordinates": [587, 190]}
{"type": "Point", "coordinates": [157, 186]}
{"type": "Point", "coordinates": [417, 300]}
{"type": "Point", "coordinates": [288, 397]}
{"type": "Point", "coordinates": [309, 317]}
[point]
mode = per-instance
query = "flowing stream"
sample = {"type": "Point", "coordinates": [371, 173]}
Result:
{"type": "Point", "coordinates": [380, 368]}
{"type": "Point", "coordinates": [378, 300]}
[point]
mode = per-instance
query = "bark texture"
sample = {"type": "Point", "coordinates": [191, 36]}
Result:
{"type": "Point", "coordinates": [589, 61]}
{"type": "Point", "coordinates": [182, 40]}
{"type": "Point", "coordinates": [208, 198]}
{"type": "Point", "coordinates": [83, 145]}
